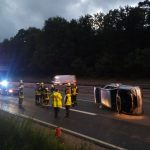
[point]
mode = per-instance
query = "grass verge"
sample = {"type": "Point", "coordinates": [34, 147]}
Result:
{"type": "Point", "coordinates": [16, 134]}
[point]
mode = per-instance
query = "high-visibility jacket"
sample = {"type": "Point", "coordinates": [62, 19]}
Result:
{"type": "Point", "coordinates": [68, 100]}
{"type": "Point", "coordinates": [57, 99]}
{"type": "Point", "coordinates": [74, 91]}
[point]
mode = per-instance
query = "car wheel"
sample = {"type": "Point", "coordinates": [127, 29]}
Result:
{"type": "Point", "coordinates": [118, 104]}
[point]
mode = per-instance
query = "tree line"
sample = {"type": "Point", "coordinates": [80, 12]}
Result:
{"type": "Point", "coordinates": [116, 44]}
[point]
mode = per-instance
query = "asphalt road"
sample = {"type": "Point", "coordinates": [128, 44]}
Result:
{"type": "Point", "coordinates": [124, 131]}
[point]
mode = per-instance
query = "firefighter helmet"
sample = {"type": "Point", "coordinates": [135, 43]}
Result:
{"type": "Point", "coordinates": [21, 81]}
{"type": "Point", "coordinates": [68, 84]}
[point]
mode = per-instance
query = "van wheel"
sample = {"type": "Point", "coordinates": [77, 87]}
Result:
{"type": "Point", "coordinates": [118, 104]}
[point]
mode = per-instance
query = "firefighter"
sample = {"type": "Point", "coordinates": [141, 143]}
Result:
{"type": "Point", "coordinates": [52, 88]}
{"type": "Point", "coordinates": [47, 97]}
{"type": "Point", "coordinates": [68, 88]}
{"type": "Point", "coordinates": [21, 92]}
{"type": "Point", "coordinates": [42, 91]}
{"type": "Point", "coordinates": [56, 102]}
{"type": "Point", "coordinates": [68, 103]}
{"type": "Point", "coordinates": [21, 84]}
{"type": "Point", "coordinates": [74, 93]}
{"type": "Point", "coordinates": [37, 94]}
{"type": "Point", "coordinates": [20, 95]}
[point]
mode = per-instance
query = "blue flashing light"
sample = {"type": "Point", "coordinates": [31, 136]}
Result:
{"type": "Point", "coordinates": [4, 83]}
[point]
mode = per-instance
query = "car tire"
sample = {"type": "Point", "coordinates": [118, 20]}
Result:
{"type": "Point", "coordinates": [118, 104]}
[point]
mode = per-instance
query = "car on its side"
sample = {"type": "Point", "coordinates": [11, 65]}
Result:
{"type": "Point", "coordinates": [121, 98]}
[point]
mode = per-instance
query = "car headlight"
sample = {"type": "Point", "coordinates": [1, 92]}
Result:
{"type": "Point", "coordinates": [10, 91]}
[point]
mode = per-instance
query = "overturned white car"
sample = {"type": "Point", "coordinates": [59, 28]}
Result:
{"type": "Point", "coordinates": [121, 98]}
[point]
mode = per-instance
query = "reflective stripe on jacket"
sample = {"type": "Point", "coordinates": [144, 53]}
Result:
{"type": "Point", "coordinates": [57, 99]}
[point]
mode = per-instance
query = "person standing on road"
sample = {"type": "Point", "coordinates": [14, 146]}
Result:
{"type": "Point", "coordinates": [21, 92]}
{"type": "Point", "coordinates": [37, 94]}
{"type": "Point", "coordinates": [56, 102]}
{"type": "Point", "coordinates": [68, 88]}
{"type": "Point", "coordinates": [52, 88]}
{"type": "Point", "coordinates": [42, 91]}
{"type": "Point", "coordinates": [21, 84]}
{"type": "Point", "coordinates": [68, 103]}
{"type": "Point", "coordinates": [47, 97]}
{"type": "Point", "coordinates": [74, 93]}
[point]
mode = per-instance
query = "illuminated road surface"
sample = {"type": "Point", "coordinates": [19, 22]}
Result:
{"type": "Point", "coordinates": [129, 132]}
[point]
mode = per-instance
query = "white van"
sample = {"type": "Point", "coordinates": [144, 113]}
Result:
{"type": "Point", "coordinates": [64, 79]}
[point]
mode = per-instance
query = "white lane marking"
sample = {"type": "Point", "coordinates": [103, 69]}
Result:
{"type": "Point", "coordinates": [80, 111]}
{"type": "Point", "coordinates": [103, 143]}
{"type": "Point", "coordinates": [147, 101]}
{"type": "Point", "coordinates": [86, 100]}
{"type": "Point", "coordinates": [76, 110]}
